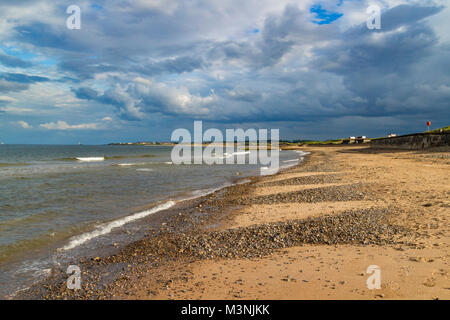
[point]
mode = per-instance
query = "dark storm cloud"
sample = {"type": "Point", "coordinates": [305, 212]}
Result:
{"type": "Point", "coordinates": [395, 50]}
{"type": "Point", "coordinates": [85, 93]}
{"type": "Point", "coordinates": [11, 61]}
{"type": "Point", "coordinates": [22, 78]}
{"type": "Point", "coordinates": [204, 60]}
{"type": "Point", "coordinates": [279, 34]}
{"type": "Point", "coordinates": [41, 35]}
{"type": "Point", "coordinates": [13, 82]}
{"type": "Point", "coordinates": [384, 64]}
{"type": "Point", "coordinates": [407, 14]}
{"type": "Point", "coordinates": [86, 68]}
{"type": "Point", "coordinates": [176, 65]}
{"type": "Point", "coordinates": [373, 71]}
{"type": "Point", "coordinates": [243, 94]}
{"type": "Point", "coordinates": [7, 86]}
{"type": "Point", "coordinates": [121, 101]}
{"type": "Point", "coordinates": [275, 43]}
{"type": "Point", "coordinates": [109, 97]}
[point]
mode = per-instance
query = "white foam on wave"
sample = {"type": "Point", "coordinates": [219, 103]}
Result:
{"type": "Point", "coordinates": [90, 159]}
{"type": "Point", "coordinates": [226, 155]}
{"type": "Point", "coordinates": [204, 192]}
{"type": "Point", "coordinates": [42, 272]}
{"type": "Point", "coordinates": [266, 171]}
{"type": "Point", "coordinates": [141, 163]}
{"type": "Point", "coordinates": [293, 160]}
{"type": "Point", "coordinates": [108, 227]}
{"type": "Point", "coordinates": [240, 153]}
{"type": "Point", "coordinates": [144, 169]}
{"type": "Point", "coordinates": [292, 164]}
{"type": "Point", "coordinates": [243, 181]}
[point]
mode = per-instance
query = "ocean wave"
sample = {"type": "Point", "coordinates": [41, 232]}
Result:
{"type": "Point", "coordinates": [14, 164]}
{"type": "Point", "coordinates": [140, 163]}
{"type": "Point", "coordinates": [34, 218]}
{"type": "Point", "coordinates": [266, 171]}
{"type": "Point", "coordinates": [303, 153]}
{"type": "Point", "coordinates": [293, 164]}
{"type": "Point", "coordinates": [239, 153]}
{"type": "Point", "coordinates": [108, 227]}
{"type": "Point", "coordinates": [90, 159]}
{"type": "Point", "coordinates": [225, 155]}
{"type": "Point", "coordinates": [228, 155]}
{"type": "Point", "coordinates": [131, 156]}
{"type": "Point", "coordinates": [82, 159]}
{"type": "Point", "coordinates": [204, 192]}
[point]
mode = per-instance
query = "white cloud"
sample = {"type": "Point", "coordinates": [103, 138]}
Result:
{"type": "Point", "coordinates": [24, 124]}
{"type": "Point", "coordinates": [16, 110]}
{"type": "Point", "coordinates": [6, 99]}
{"type": "Point", "coordinates": [176, 100]}
{"type": "Point", "coordinates": [62, 125]}
{"type": "Point", "coordinates": [166, 6]}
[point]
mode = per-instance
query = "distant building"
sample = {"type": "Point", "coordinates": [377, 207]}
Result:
{"type": "Point", "coordinates": [349, 140]}
{"type": "Point", "coordinates": [362, 139]}
{"type": "Point", "coordinates": [390, 135]}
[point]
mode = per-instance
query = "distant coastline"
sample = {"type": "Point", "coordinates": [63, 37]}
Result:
{"type": "Point", "coordinates": [141, 144]}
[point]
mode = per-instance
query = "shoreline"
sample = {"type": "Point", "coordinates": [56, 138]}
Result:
{"type": "Point", "coordinates": [153, 221]}
{"type": "Point", "coordinates": [264, 224]}
{"type": "Point", "coordinates": [24, 267]}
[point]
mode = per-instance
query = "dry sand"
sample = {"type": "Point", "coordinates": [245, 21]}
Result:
{"type": "Point", "coordinates": [415, 183]}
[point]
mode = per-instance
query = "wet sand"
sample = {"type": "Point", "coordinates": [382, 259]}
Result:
{"type": "Point", "coordinates": [309, 232]}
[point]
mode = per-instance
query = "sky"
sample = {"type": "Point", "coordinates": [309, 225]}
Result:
{"type": "Point", "coordinates": [138, 69]}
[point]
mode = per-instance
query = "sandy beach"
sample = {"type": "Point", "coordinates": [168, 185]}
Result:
{"type": "Point", "coordinates": [309, 232]}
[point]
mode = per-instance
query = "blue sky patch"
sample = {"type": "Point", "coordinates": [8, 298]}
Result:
{"type": "Point", "coordinates": [96, 6]}
{"type": "Point", "coordinates": [323, 16]}
{"type": "Point", "coordinates": [18, 53]}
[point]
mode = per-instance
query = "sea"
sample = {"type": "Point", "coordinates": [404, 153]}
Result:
{"type": "Point", "coordinates": [62, 201]}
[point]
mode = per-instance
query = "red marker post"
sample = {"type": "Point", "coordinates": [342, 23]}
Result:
{"type": "Point", "coordinates": [428, 125]}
